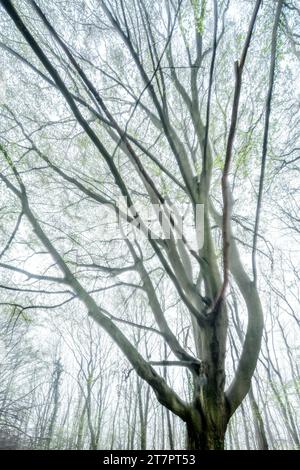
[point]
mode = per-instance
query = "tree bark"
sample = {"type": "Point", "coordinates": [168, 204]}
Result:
{"type": "Point", "coordinates": [205, 434]}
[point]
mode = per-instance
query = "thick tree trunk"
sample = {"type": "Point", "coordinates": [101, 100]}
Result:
{"type": "Point", "coordinates": [209, 414]}
{"type": "Point", "coordinates": [209, 438]}
{"type": "Point", "coordinates": [205, 433]}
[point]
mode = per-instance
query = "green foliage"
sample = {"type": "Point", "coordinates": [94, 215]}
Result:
{"type": "Point", "coordinates": [83, 142]}
{"type": "Point", "coordinates": [6, 156]}
{"type": "Point", "coordinates": [239, 40]}
{"type": "Point", "coordinates": [199, 12]}
{"type": "Point", "coordinates": [154, 169]}
{"type": "Point", "coordinates": [218, 161]}
{"type": "Point", "coordinates": [242, 157]}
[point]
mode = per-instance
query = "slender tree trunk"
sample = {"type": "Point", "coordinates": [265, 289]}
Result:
{"type": "Point", "coordinates": [170, 430]}
{"type": "Point", "coordinates": [56, 384]}
{"type": "Point", "coordinates": [260, 433]}
{"type": "Point", "coordinates": [80, 432]}
{"type": "Point", "coordinates": [246, 430]}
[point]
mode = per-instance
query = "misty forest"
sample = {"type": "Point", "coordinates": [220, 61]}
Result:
{"type": "Point", "coordinates": [149, 224]}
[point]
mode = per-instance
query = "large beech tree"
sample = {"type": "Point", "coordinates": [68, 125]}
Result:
{"type": "Point", "coordinates": [145, 101]}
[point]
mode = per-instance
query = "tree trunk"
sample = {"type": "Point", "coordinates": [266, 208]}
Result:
{"type": "Point", "coordinates": [259, 428]}
{"type": "Point", "coordinates": [205, 434]}
{"type": "Point", "coordinates": [210, 438]}
{"type": "Point", "coordinates": [209, 414]}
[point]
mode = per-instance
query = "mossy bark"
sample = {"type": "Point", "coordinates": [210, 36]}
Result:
{"type": "Point", "coordinates": [208, 415]}
{"type": "Point", "coordinates": [205, 434]}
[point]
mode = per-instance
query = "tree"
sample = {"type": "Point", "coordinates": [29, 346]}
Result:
{"type": "Point", "coordinates": [128, 118]}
